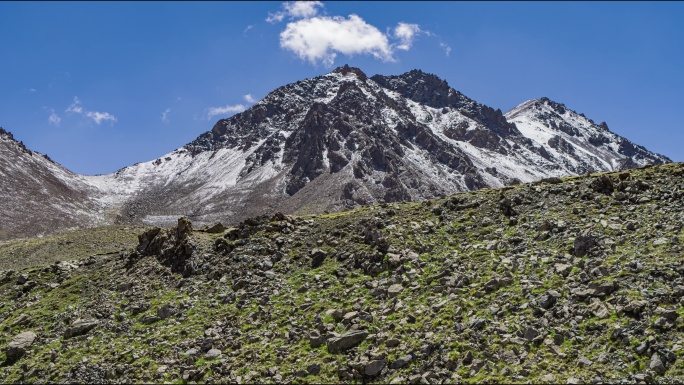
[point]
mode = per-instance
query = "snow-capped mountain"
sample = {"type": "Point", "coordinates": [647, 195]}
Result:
{"type": "Point", "coordinates": [341, 140]}
{"type": "Point", "coordinates": [38, 196]}
{"type": "Point", "coordinates": [575, 142]}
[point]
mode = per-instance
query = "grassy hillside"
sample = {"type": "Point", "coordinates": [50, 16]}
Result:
{"type": "Point", "coordinates": [574, 280]}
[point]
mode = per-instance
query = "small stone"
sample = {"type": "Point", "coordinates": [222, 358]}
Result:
{"type": "Point", "coordinates": [213, 353]}
{"type": "Point", "coordinates": [549, 378]}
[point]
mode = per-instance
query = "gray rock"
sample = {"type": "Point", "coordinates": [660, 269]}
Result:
{"type": "Point", "coordinates": [337, 314]}
{"type": "Point", "coordinates": [19, 345]}
{"type": "Point", "coordinates": [530, 333]}
{"type": "Point", "coordinates": [346, 341]}
{"type": "Point", "coordinates": [165, 311]}
{"type": "Point", "coordinates": [583, 244]}
{"type": "Point", "coordinates": [80, 327]}
{"type": "Point", "coordinates": [394, 290]}
{"type": "Point", "coordinates": [401, 362]}
{"type": "Point", "coordinates": [670, 314]}
{"type": "Point", "coordinates": [313, 369]}
{"type": "Point", "coordinates": [656, 364]}
{"type": "Point", "coordinates": [546, 301]}
{"type": "Point", "coordinates": [599, 310]}
{"type": "Point", "coordinates": [478, 323]}
{"type": "Point", "coordinates": [374, 368]}
{"type": "Point", "coordinates": [583, 362]}
{"type": "Point", "coordinates": [392, 342]}
{"type": "Point", "coordinates": [316, 340]}
{"type": "Point", "coordinates": [317, 257]}
{"type": "Point", "coordinates": [148, 319]}
{"type": "Point", "coordinates": [563, 269]}
{"type": "Point", "coordinates": [213, 353]}
{"type": "Point", "coordinates": [22, 279]}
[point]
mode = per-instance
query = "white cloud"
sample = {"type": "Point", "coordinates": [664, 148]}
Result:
{"type": "Point", "coordinates": [54, 119]}
{"type": "Point", "coordinates": [95, 116]}
{"type": "Point", "coordinates": [320, 38]}
{"type": "Point", "coordinates": [447, 49]}
{"type": "Point", "coordinates": [247, 29]}
{"type": "Point", "coordinates": [295, 10]}
{"type": "Point", "coordinates": [32, 89]}
{"type": "Point", "coordinates": [406, 33]}
{"type": "Point", "coordinates": [249, 98]}
{"type": "Point", "coordinates": [213, 111]}
{"type": "Point", "coordinates": [302, 9]}
{"type": "Point", "coordinates": [165, 115]}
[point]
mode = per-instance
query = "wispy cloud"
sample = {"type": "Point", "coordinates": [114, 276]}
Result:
{"type": "Point", "coordinates": [247, 29]}
{"type": "Point", "coordinates": [95, 116]}
{"type": "Point", "coordinates": [32, 90]}
{"type": "Point", "coordinates": [295, 10]}
{"type": "Point", "coordinates": [445, 47]}
{"type": "Point", "coordinates": [165, 115]}
{"type": "Point", "coordinates": [320, 38]}
{"type": "Point", "coordinates": [54, 119]}
{"type": "Point", "coordinates": [249, 98]}
{"type": "Point", "coordinates": [225, 110]}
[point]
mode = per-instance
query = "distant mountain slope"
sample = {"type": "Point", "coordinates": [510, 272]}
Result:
{"type": "Point", "coordinates": [38, 196]}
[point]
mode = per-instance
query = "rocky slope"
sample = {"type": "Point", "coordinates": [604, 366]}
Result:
{"type": "Point", "coordinates": [568, 280]}
{"type": "Point", "coordinates": [37, 195]}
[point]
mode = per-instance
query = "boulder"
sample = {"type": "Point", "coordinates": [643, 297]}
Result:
{"type": "Point", "coordinates": [19, 345]}
{"type": "Point", "coordinates": [346, 341]}
{"type": "Point", "coordinates": [80, 327]}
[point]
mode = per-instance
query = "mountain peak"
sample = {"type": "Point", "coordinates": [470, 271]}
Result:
{"type": "Point", "coordinates": [346, 69]}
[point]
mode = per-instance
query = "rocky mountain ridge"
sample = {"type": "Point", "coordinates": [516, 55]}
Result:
{"type": "Point", "coordinates": [570, 280]}
{"type": "Point", "coordinates": [344, 140]}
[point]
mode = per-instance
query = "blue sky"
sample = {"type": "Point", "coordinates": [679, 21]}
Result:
{"type": "Point", "coordinates": [103, 85]}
